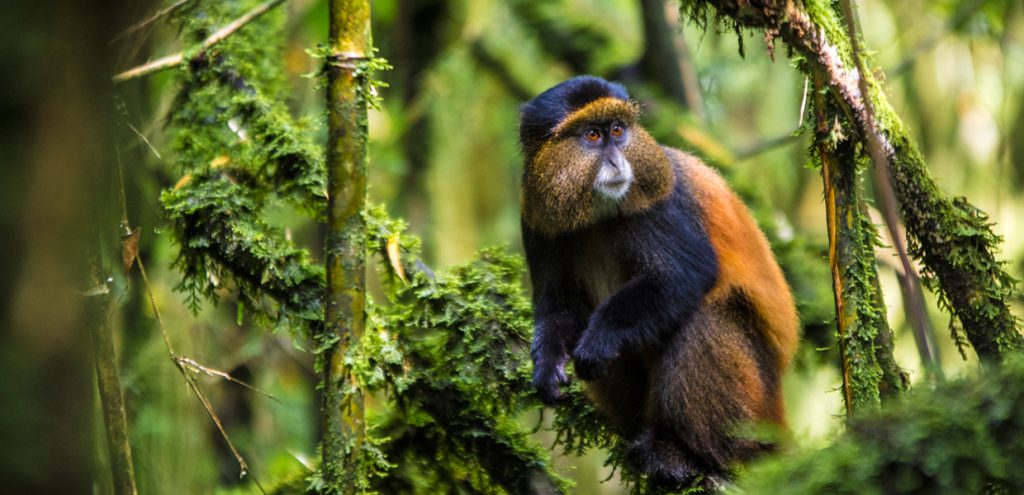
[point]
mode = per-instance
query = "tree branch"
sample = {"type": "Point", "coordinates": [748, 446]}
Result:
{"type": "Point", "coordinates": [865, 340]}
{"type": "Point", "coordinates": [176, 59]}
{"type": "Point", "coordinates": [952, 238]}
{"type": "Point", "coordinates": [909, 283]}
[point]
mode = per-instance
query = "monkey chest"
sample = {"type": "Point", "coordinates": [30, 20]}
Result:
{"type": "Point", "coordinates": [600, 268]}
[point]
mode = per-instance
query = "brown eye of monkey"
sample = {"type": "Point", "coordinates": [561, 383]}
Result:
{"type": "Point", "coordinates": [616, 130]}
{"type": "Point", "coordinates": [592, 135]}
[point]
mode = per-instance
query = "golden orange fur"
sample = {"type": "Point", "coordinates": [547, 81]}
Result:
{"type": "Point", "coordinates": [744, 257]}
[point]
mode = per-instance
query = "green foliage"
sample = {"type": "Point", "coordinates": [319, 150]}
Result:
{"type": "Point", "coordinates": [239, 149]}
{"type": "Point", "coordinates": [964, 437]}
{"type": "Point", "coordinates": [223, 238]}
{"type": "Point", "coordinates": [448, 352]}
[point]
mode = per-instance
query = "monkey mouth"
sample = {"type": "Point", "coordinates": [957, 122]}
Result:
{"type": "Point", "coordinates": [613, 179]}
{"type": "Point", "coordinates": [614, 188]}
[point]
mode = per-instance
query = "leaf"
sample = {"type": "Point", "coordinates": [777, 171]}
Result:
{"type": "Point", "coordinates": [130, 248]}
{"type": "Point", "coordinates": [394, 258]}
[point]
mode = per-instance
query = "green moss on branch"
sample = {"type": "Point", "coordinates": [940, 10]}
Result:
{"type": "Point", "coordinates": [865, 339]}
{"type": "Point", "coordinates": [963, 437]}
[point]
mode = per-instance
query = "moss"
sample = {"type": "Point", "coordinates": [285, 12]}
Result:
{"type": "Point", "coordinates": [963, 437]}
{"type": "Point", "coordinates": [957, 246]}
{"type": "Point", "coordinates": [860, 319]}
{"type": "Point", "coordinates": [448, 351]}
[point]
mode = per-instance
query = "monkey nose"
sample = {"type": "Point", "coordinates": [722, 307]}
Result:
{"type": "Point", "coordinates": [617, 162]}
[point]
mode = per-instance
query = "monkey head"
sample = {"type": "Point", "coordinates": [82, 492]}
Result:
{"type": "Point", "coordinates": [587, 157]}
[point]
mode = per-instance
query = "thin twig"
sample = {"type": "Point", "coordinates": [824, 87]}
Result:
{"type": "Point", "coordinates": [767, 145]}
{"type": "Point", "coordinates": [149, 20]}
{"type": "Point", "coordinates": [173, 60]}
{"type": "Point", "coordinates": [245, 470]}
{"type": "Point", "coordinates": [194, 366]}
{"type": "Point", "coordinates": [194, 385]}
{"type": "Point", "coordinates": [190, 380]}
{"type": "Point", "coordinates": [144, 140]}
{"type": "Point", "coordinates": [803, 103]}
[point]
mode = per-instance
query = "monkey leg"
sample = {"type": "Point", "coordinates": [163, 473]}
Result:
{"type": "Point", "coordinates": [714, 376]}
{"type": "Point", "coordinates": [620, 395]}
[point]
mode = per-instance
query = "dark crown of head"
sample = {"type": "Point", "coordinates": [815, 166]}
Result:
{"type": "Point", "coordinates": [540, 115]}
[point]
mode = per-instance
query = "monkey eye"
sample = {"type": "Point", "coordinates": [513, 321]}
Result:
{"type": "Point", "coordinates": [617, 130]}
{"type": "Point", "coordinates": [592, 134]}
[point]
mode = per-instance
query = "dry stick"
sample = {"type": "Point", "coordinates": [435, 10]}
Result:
{"type": "Point", "coordinates": [195, 366]}
{"type": "Point", "coordinates": [910, 284]}
{"type": "Point", "coordinates": [173, 60]}
{"type": "Point", "coordinates": [188, 377]}
{"type": "Point", "coordinates": [144, 140]}
{"type": "Point", "coordinates": [149, 20]}
{"type": "Point", "coordinates": [190, 380]}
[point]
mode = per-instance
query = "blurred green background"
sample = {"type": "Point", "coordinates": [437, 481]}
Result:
{"type": "Point", "coordinates": [444, 157]}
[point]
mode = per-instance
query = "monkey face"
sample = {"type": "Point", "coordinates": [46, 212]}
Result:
{"type": "Point", "coordinates": [598, 163]}
{"type": "Point", "coordinates": [614, 172]}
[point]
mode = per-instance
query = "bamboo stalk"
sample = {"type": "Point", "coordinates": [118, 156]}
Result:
{"type": "Point", "coordinates": [344, 318]}
{"type": "Point", "coordinates": [109, 383]}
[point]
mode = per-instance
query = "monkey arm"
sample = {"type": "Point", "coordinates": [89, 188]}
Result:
{"type": "Point", "coordinates": [559, 311]}
{"type": "Point", "coordinates": [675, 266]}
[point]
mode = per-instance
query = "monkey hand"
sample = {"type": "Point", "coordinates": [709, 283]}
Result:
{"type": "Point", "coordinates": [548, 379]}
{"type": "Point", "coordinates": [592, 355]}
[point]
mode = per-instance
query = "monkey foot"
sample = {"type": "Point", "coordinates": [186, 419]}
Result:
{"type": "Point", "coordinates": [665, 464]}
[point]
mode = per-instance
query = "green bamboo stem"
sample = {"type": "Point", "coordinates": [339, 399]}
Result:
{"type": "Point", "coordinates": [347, 90]}
{"type": "Point", "coordinates": [108, 382]}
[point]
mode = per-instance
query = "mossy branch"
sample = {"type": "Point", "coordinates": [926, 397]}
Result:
{"type": "Point", "coordinates": [865, 339]}
{"type": "Point", "coordinates": [174, 60]}
{"type": "Point", "coordinates": [448, 349]}
{"type": "Point", "coordinates": [952, 238]}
